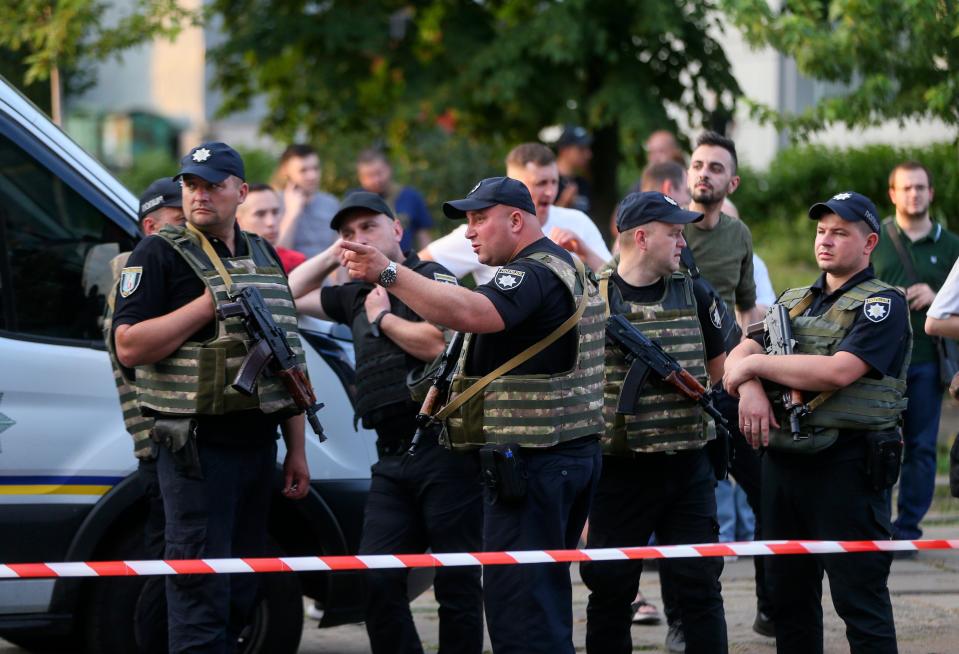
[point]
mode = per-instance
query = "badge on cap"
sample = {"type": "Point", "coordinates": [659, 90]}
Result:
{"type": "Point", "coordinates": [478, 184]}
{"type": "Point", "coordinates": [130, 280]}
{"type": "Point", "coordinates": [877, 309]}
{"type": "Point", "coordinates": [670, 200]}
{"type": "Point", "coordinates": [507, 279]}
{"type": "Point", "coordinates": [201, 155]}
{"type": "Point", "coordinates": [842, 196]}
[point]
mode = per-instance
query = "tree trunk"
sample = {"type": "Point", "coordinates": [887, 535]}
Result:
{"type": "Point", "coordinates": [55, 97]}
{"type": "Point", "coordinates": [603, 168]}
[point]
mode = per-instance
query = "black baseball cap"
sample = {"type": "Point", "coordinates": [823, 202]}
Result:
{"type": "Point", "coordinates": [489, 192]}
{"type": "Point", "coordinates": [651, 206]}
{"type": "Point", "coordinates": [360, 200]}
{"type": "Point", "coordinates": [163, 192]}
{"type": "Point", "coordinates": [573, 135]}
{"type": "Point", "coordinates": [213, 161]}
{"type": "Point", "coordinates": [850, 206]}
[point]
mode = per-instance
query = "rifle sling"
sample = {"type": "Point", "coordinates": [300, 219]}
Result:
{"type": "Point", "coordinates": [797, 310]}
{"type": "Point", "coordinates": [523, 356]}
{"type": "Point", "coordinates": [213, 256]}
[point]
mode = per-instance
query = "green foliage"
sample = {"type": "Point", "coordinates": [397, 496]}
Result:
{"type": "Point", "coordinates": [900, 56]}
{"type": "Point", "coordinates": [774, 203]}
{"type": "Point", "coordinates": [58, 33]}
{"type": "Point", "coordinates": [388, 72]}
{"type": "Point", "coordinates": [146, 168]}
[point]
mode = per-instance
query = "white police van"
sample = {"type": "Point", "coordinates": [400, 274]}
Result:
{"type": "Point", "coordinates": [68, 488]}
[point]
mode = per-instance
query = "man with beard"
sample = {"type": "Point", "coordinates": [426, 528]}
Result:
{"type": "Point", "coordinates": [928, 253]}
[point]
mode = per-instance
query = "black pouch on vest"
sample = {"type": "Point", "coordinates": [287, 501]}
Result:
{"type": "Point", "coordinates": [954, 468]}
{"type": "Point", "coordinates": [883, 459]}
{"type": "Point", "coordinates": [504, 472]}
{"type": "Point", "coordinates": [179, 436]}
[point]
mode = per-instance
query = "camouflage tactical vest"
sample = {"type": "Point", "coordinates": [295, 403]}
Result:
{"type": "Point", "coordinates": [137, 424]}
{"type": "Point", "coordinates": [667, 420]}
{"type": "Point", "coordinates": [539, 410]}
{"type": "Point", "coordinates": [196, 378]}
{"type": "Point", "coordinates": [867, 404]}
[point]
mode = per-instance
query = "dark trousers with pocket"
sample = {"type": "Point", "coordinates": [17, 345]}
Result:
{"type": "Point", "coordinates": [813, 497]}
{"type": "Point", "coordinates": [429, 500]}
{"type": "Point", "coordinates": [222, 515]}
{"type": "Point", "coordinates": [529, 608]}
{"type": "Point", "coordinates": [672, 495]}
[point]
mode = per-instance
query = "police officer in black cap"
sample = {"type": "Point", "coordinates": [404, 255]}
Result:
{"type": "Point", "coordinates": [430, 500]}
{"type": "Point", "coordinates": [656, 475]}
{"type": "Point", "coordinates": [833, 450]}
{"type": "Point", "coordinates": [217, 453]}
{"type": "Point", "coordinates": [527, 391]}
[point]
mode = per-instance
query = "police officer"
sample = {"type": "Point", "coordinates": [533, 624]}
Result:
{"type": "Point", "coordinates": [216, 472]}
{"type": "Point", "coordinates": [161, 204]}
{"type": "Point", "coordinates": [427, 500]}
{"type": "Point", "coordinates": [536, 419]}
{"type": "Point", "coordinates": [656, 475]}
{"type": "Point", "coordinates": [829, 479]}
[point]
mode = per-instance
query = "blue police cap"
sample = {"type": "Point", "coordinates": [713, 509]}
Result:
{"type": "Point", "coordinates": [163, 192]}
{"type": "Point", "coordinates": [489, 192]}
{"type": "Point", "coordinates": [213, 161]}
{"type": "Point", "coordinates": [640, 208]}
{"type": "Point", "coordinates": [849, 205]}
{"type": "Point", "coordinates": [360, 200]}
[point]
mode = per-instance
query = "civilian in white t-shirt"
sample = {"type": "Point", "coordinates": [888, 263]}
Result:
{"type": "Point", "coordinates": [533, 164]}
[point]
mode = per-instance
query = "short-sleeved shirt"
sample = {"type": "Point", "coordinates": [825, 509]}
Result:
{"type": "Point", "coordinates": [532, 301]}
{"type": "Point", "coordinates": [712, 332]}
{"type": "Point", "coordinates": [411, 210]}
{"type": "Point", "coordinates": [880, 343]}
{"type": "Point", "coordinates": [932, 257]}
{"type": "Point", "coordinates": [765, 294]}
{"type": "Point", "coordinates": [167, 282]}
{"type": "Point", "coordinates": [455, 252]}
{"type": "Point", "coordinates": [312, 233]}
{"type": "Point", "coordinates": [947, 299]}
{"type": "Point", "coordinates": [724, 256]}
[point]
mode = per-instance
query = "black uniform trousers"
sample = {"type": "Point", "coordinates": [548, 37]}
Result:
{"type": "Point", "coordinates": [223, 515]}
{"type": "Point", "coordinates": [745, 466]}
{"type": "Point", "coordinates": [529, 608]}
{"type": "Point", "coordinates": [428, 500]}
{"type": "Point", "coordinates": [822, 497]}
{"type": "Point", "coordinates": [672, 495]}
{"type": "Point", "coordinates": [149, 619]}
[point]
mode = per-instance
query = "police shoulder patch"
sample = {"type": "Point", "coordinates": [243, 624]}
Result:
{"type": "Point", "coordinates": [130, 280]}
{"type": "Point", "coordinates": [446, 279]}
{"type": "Point", "coordinates": [877, 309]}
{"type": "Point", "coordinates": [507, 279]}
{"type": "Point", "coordinates": [715, 316]}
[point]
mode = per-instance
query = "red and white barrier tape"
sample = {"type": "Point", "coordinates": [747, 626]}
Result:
{"type": "Point", "coordinates": [370, 562]}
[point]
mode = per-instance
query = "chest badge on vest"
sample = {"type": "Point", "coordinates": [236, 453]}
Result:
{"type": "Point", "coordinates": [130, 280]}
{"type": "Point", "coordinates": [877, 309]}
{"type": "Point", "coordinates": [508, 279]}
{"type": "Point", "coordinates": [714, 316]}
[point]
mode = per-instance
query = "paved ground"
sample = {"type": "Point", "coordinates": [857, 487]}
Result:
{"type": "Point", "coordinates": [925, 600]}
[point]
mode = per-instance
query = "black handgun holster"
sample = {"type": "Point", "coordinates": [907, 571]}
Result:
{"type": "Point", "coordinates": [504, 473]}
{"type": "Point", "coordinates": [179, 436]}
{"type": "Point", "coordinates": [883, 458]}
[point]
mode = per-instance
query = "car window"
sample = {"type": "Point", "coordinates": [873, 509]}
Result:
{"type": "Point", "coordinates": [56, 251]}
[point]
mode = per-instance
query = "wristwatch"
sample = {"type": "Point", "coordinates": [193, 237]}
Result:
{"type": "Point", "coordinates": [388, 276]}
{"type": "Point", "coordinates": [375, 325]}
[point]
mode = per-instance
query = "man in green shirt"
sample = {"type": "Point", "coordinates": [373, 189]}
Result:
{"type": "Point", "coordinates": [932, 250]}
{"type": "Point", "coordinates": [721, 245]}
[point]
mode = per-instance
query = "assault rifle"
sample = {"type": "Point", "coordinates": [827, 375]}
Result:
{"type": "Point", "coordinates": [779, 338]}
{"type": "Point", "coordinates": [270, 349]}
{"type": "Point", "coordinates": [645, 356]}
{"type": "Point", "coordinates": [441, 378]}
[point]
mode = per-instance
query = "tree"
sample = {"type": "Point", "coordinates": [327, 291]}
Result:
{"type": "Point", "coordinates": [898, 56]}
{"type": "Point", "coordinates": [53, 35]}
{"type": "Point", "coordinates": [384, 70]}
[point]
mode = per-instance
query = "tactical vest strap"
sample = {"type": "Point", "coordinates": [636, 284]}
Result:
{"type": "Point", "coordinates": [212, 256]}
{"type": "Point", "coordinates": [523, 356]}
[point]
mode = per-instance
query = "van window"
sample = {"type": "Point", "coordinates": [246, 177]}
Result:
{"type": "Point", "coordinates": [55, 256]}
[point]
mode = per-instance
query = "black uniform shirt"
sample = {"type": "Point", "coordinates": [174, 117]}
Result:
{"type": "Point", "coordinates": [166, 283]}
{"type": "Point", "coordinates": [879, 337]}
{"type": "Point", "coordinates": [709, 318]}
{"type": "Point", "coordinates": [532, 301]}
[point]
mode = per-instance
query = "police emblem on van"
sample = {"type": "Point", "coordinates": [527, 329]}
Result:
{"type": "Point", "coordinates": [130, 280]}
